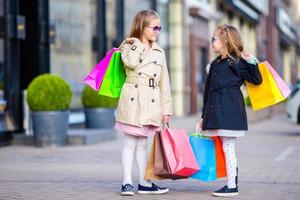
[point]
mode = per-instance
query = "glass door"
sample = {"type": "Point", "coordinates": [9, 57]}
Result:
{"type": "Point", "coordinates": [71, 52]}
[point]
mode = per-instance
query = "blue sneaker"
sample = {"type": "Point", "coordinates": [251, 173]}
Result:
{"type": "Point", "coordinates": [226, 192]}
{"type": "Point", "coordinates": [127, 190]}
{"type": "Point", "coordinates": [154, 189]}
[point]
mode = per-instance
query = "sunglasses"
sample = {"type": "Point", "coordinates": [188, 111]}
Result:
{"type": "Point", "coordinates": [213, 39]}
{"type": "Point", "coordinates": [155, 28]}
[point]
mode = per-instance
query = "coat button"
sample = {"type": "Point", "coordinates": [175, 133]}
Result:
{"type": "Point", "coordinates": [152, 100]}
{"type": "Point", "coordinates": [136, 86]}
{"type": "Point", "coordinates": [140, 73]}
{"type": "Point", "coordinates": [140, 60]}
{"type": "Point", "coordinates": [155, 62]}
{"type": "Point", "coordinates": [132, 98]}
{"type": "Point", "coordinates": [154, 75]}
{"type": "Point", "coordinates": [134, 47]}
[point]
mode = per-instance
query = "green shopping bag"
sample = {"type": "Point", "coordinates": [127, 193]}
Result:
{"type": "Point", "coordinates": [114, 77]}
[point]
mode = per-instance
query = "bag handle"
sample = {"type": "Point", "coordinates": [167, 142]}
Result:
{"type": "Point", "coordinates": [256, 60]}
{"type": "Point", "coordinates": [166, 125]}
{"type": "Point", "coordinates": [199, 133]}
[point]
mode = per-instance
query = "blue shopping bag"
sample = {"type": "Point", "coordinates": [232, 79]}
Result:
{"type": "Point", "coordinates": [204, 150]}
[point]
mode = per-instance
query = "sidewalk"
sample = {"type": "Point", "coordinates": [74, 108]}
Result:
{"type": "Point", "coordinates": [268, 157]}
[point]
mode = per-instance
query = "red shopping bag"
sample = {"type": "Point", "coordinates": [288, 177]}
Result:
{"type": "Point", "coordinates": [179, 153]}
{"type": "Point", "coordinates": [161, 167]}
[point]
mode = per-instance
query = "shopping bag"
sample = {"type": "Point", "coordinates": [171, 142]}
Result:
{"type": "Point", "coordinates": [161, 167]}
{"type": "Point", "coordinates": [149, 174]}
{"type": "Point", "coordinates": [220, 157]}
{"type": "Point", "coordinates": [95, 77]}
{"type": "Point", "coordinates": [204, 150]}
{"type": "Point", "coordinates": [179, 153]}
{"type": "Point", "coordinates": [265, 94]}
{"type": "Point", "coordinates": [114, 77]}
{"type": "Point", "coordinates": [283, 87]}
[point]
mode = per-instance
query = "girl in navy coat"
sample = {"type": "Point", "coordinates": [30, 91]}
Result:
{"type": "Point", "coordinates": [224, 112]}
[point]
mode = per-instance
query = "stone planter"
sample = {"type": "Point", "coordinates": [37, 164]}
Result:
{"type": "Point", "coordinates": [50, 128]}
{"type": "Point", "coordinates": [99, 118]}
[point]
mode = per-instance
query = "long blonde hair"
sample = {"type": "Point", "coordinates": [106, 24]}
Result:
{"type": "Point", "coordinates": [231, 39]}
{"type": "Point", "coordinates": [141, 20]}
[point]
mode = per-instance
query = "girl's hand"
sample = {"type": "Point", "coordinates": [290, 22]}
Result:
{"type": "Point", "coordinates": [199, 124]}
{"type": "Point", "coordinates": [248, 57]}
{"type": "Point", "coordinates": [166, 119]}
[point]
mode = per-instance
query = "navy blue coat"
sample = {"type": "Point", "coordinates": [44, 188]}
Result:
{"type": "Point", "coordinates": [224, 106]}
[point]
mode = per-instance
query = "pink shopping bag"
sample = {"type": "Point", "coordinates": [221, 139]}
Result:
{"type": "Point", "coordinates": [95, 77]}
{"type": "Point", "coordinates": [179, 153]}
{"type": "Point", "coordinates": [284, 89]}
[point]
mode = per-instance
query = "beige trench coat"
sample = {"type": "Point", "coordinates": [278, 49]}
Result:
{"type": "Point", "coordinates": [146, 93]}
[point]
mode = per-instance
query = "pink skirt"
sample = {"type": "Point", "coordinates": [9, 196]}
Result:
{"type": "Point", "coordinates": [145, 131]}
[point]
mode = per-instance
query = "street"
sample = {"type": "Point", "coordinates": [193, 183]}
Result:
{"type": "Point", "coordinates": [268, 159]}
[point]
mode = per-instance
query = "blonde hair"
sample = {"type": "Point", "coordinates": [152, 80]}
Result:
{"type": "Point", "coordinates": [231, 39]}
{"type": "Point", "coordinates": [141, 20]}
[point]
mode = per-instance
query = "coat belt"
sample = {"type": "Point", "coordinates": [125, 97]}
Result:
{"type": "Point", "coordinates": [142, 81]}
{"type": "Point", "coordinates": [220, 89]}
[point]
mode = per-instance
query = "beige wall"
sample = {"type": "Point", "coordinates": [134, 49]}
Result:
{"type": "Point", "coordinates": [177, 56]}
{"type": "Point", "coordinates": [286, 65]}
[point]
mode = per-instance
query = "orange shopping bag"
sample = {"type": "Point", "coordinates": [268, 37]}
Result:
{"type": "Point", "coordinates": [220, 157]}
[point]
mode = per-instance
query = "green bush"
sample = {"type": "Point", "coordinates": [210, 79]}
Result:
{"type": "Point", "coordinates": [91, 99]}
{"type": "Point", "coordinates": [247, 101]}
{"type": "Point", "coordinates": [49, 92]}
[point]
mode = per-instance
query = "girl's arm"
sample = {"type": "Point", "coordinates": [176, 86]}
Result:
{"type": "Point", "coordinates": [132, 52]}
{"type": "Point", "coordinates": [249, 69]}
{"type": "Point", "coordinates": [205, 89]}
{"type": "Point", "coordinates": [165, 90]}
{"type": "Point", "coordinates": [250, 72]}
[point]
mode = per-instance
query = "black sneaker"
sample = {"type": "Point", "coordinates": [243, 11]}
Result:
{"type": "Point", "coordinates": [154, 189]}
{"type": "Point", "coordinates": [127, 190]}
{"type": "Point", "coordinates": [226, 192]}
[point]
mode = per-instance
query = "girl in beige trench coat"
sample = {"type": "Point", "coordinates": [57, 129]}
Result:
{"type": "Point", "coordinates": [145, 100]}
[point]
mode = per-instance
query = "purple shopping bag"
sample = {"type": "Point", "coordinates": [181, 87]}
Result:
{"type": "Point", "coordinates": [284, 89]}
{"type": "Point", "coordinates": [95, 77]}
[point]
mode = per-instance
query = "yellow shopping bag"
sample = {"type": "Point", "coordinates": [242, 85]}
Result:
{"type": "Point", "coordinates": [265, 94]}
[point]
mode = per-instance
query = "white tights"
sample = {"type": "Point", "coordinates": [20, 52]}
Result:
{"type": "Point", "coordinates": [132, 145]}
{"type": "Point", "coordinates": [231, 162]}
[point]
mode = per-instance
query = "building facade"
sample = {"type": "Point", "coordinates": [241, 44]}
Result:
{"type": "Point", "coordinates": [68, 37]}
